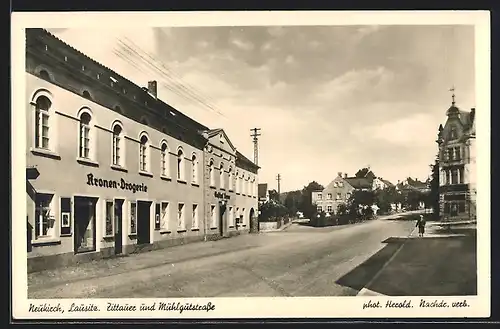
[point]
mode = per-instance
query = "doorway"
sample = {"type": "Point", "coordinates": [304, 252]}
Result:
{"type": "Point", "coordinates": [118, 226]}
{"type": "Point", "coordinates": [454, 210]}
{"type": "Point", "coordinates": [222, 211]}
{"type": "Point", "coordinates": [143, 222]}
{"type": "Point", "coordinates": [251, 221]}
{"type": "Point", "coordinates": [85, 224]}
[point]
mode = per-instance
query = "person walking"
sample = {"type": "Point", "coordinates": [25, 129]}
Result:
{"type": "Point", "coordinates": [421, 226]}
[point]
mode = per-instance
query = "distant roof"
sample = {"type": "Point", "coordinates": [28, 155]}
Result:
{"type": "Point", "coordinates": [359, 182]}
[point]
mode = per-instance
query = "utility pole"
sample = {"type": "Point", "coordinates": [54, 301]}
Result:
{"type": "Point", "coordinates": [255, 134]}
{"type": "Point", "coordinates": [278, 178]}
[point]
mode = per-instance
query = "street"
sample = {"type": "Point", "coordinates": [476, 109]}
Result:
{"type": "Point", "coordinates": [301, 261]}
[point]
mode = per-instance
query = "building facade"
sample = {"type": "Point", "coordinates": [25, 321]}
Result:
{"type": "Point", "coordinates": [457, 165]}
{"type": "Point", "coordinates": [120, 171]}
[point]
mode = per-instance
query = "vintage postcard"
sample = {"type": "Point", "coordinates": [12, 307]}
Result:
{"type": "Point", "coordinates": [223, 165]}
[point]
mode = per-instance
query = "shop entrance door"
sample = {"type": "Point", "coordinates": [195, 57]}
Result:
{"type": "Point", "coordinates": [143, 222]}
{"type": "Point", "coordinates": [118, 226]}
{"type": "Point", "coordinates": [222, 211]}
{"type": "Point", "coordinates": [85, 223]}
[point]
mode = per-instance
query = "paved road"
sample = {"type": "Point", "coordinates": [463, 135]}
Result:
{"type": "Point", "coordinates": [301, 261]}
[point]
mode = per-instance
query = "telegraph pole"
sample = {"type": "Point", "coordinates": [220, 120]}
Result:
{"type": "Point", "coordinates": [255, 134]}
{"type": "Point", "coordinates": [278, 178]}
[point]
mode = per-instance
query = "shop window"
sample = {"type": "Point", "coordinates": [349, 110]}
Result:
{"type": "Point", "coordinates": [117, 145]}
{"type": "Point", "coordinates": [195, 216]}
{"type": "Point", "coordinates": [65, 216]}
{"type": "Point", "coordinates": [44, 216]}
{"type": "Point", "coordinates": [109, 224]}
{"type": "Point", "coordinates": [164, 216]}
{"type": "Point", "coordinates": [180, 216]}
{"type": "Point", "coordinates": [231, 217]}
{"type": "Point", "coordinates": [42, 115]}
{"type": "Point", "coordinates": [85, 135]}
{"type": "Point", "coordinates": [157, 216]}
{"type": "Point", "coordinates": [213, 216]}
{"type": "Point", "coordinates": [133, 217]}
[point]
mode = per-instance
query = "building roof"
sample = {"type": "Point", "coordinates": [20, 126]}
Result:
{"type": "Point", "coordinates": [386, 182]}
{"type": "Point", "coordinates": [262, 190]}
{"type": "Point", "coordinates": [245, 163]}
{"type": "Point", "coordinates": [359, 182]}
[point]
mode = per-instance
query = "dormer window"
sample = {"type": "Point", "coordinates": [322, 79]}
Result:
{"type": "Point", "coordinates": [86, 94]}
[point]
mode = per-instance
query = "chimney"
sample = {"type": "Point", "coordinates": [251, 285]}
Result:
{"type": "Point", "coordinates": [153, 88]}
{"type": "Point", "coordinates": [339, 174]}
{"type": "Point", "coordinates": [345, 175]}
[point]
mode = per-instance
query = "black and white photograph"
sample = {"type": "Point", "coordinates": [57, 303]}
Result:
{"type": "Point", "coordinates": [266, 158]}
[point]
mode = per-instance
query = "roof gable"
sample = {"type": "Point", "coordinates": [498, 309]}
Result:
{"type": "Point", "coordinates": [359, 182]}
{"type": "Point", "coordinates": [218, 138]}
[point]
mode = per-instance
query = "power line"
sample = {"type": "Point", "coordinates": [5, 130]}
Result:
{"type": "Point", "coordinates": [255, 134]}
{"type": "Point", "coordinates": [159, 68]}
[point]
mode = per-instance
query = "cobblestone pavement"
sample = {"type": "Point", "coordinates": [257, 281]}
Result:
{"type": "Point", "coordinates": [300, 261]}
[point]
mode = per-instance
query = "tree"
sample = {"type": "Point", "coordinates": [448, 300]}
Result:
{"type": "Point", "coordinates": [292, 201]}
{"type": "Point", "coordinates": [271, 211]}
{"type": "Point", "coordinates": [359, 204]}
{"type": "Point", "coordinates": [273, 195]}
{"type": "Point", "coordinates": [433, 196]}
{"type": "Point", "coordinates": [305, 204]}
{"type": "Point", "coordinates": [385, 197]}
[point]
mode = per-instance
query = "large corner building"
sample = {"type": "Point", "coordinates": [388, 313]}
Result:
{"type": "Point", "coordinates": [117, 169]}
{"type": "Point", "coordinates": [457, 165]}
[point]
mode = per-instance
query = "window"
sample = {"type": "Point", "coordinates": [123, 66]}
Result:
{"type": "Point", "coordinates": [461, 179]}
{"type": "Point", "coordinates": [446, 208]}
{"type": "Point", "coordinates": [221, 180]}
{"type": "Point", "coordinates": [194, 224]}
{"type": "Point", "coordinates": [143, 154]}
{"type": "Point", "coordinates": [457, 153]}
{"type": "Point", "coordinates": [348, 196]}
{"type": "Point", "coordinates": [329, 196]}
{"type": "Point", "coordinates": [133, 217]}
{"type": "Point", "coordinates": [231, 217]}
{"type": "Point", "coordinates": [230, 179]}
{"type": "Point", "coordinates": [212, 173]}
{"type": "Point", "coordinates": [109, 229]}
{"type": "Point", "coordinates": [329, 208]}
{"type": "Point", "coordinates": [194, 163]}
{"type": "Point", "coordinates": [319, 209]}
{"type": "Point", "coordinates": [454, 176]}
{"type": "Point", "coordinates": [240, 184]}
{"type": "Point", "coordinates": [180, 165]}
{"type": "Point", "coordinates": [341, 184]}
{"type": "Point", "coordinates": [339, 196]}
{"type": "Point", "coordinates": [164, 216]}
{"type": "Point", "coordinates": [164, 159]}
{"type": "Point", "coordinates": [44, 217]}
{"type": "Point", "coordinates": [335, 184]}
{"type": "Point", "coordinates": [450, 154]}
{"type": "Point", "coordinates": [85, 135]}
{"type": "Point", "coordinates": [320, 196]}
{"type": "Point", "coordinates": [213, 216]}
{"type": "Point", "coordinates": [117, 141]}
{"type": "Point", "coordinates": [236, 182]}
{"type": "Point", "coordinates": [42, 107]}
{"type": "Point", "coordinates": [180, 216]}
{"type": "Point", "coordinates": [453, 133]}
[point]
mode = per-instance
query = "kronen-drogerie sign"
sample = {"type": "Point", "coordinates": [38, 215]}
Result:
{"type": "Point", "coordinates": [121, 184]}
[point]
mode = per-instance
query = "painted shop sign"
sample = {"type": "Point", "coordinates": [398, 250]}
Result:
{"type": "Point", "coordinates": [121, 184]}
{"type": "Point", "coordinates": [222, 195]}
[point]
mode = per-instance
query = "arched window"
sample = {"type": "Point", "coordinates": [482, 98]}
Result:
{"type": "Point", "coordinates": [42, 107]}
{"type": "Point", "coordinates": [230, 179]}
{"type": "Point", "coordinates": [236, 182]}
{"type": "Point", "coordinates": [164, 159]}
{"type": "Point", "coordinates": [211, 173]}
{"type": "Point", "coordinates": [143, 153]}
{"type": "Point", "coordinates": [194, 162]}
{"type": "Point", "coordinates": [180, 164]}
{"type": "Point", "coordinates": [221, 173]}
{"type": "Point", "coordinates": [117, 145]}
{"type": "Point", "coordinates": [85, 135]}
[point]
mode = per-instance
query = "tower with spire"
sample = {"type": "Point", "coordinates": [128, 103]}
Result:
{"type": "Point", "coordinates": [457, 159]}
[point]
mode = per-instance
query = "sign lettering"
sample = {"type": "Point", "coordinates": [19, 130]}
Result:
{"type": "Point", "coordinates": [122, 184]}
{"type": "Point", "coordinates": [221, 195]}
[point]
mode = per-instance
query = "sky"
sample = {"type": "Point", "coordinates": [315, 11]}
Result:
{"type": "Point", "coordinates": [328, 99]}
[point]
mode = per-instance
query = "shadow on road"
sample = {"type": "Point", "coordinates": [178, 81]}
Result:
{"type": "Point", "coordinates": [422, 267]}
